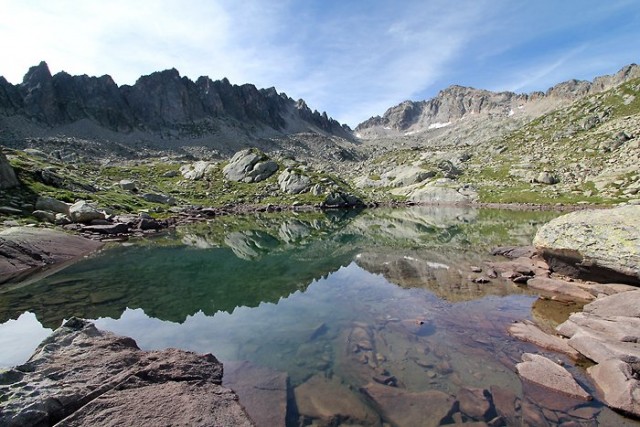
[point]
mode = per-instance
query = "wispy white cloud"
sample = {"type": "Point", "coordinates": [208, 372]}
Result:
{"type": "Point", "coordinates": [352, 59]}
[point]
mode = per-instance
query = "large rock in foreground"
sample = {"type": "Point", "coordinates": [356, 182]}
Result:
{"type": "Point", "coordinates": [601, 245]}
{"type": "Point", "coordinates": [25, 249]}
{"type": "Point", "coordinates": [82, 376]}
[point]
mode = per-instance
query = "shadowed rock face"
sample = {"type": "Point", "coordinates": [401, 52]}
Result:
{"type": "Point", "coordinates": [7, 175]}
{"type": "Point", "coordinates": [83, 376]}
{"type": "Point", "coordinates": [160, 101]}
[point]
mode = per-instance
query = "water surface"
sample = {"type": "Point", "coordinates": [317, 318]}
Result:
{"type": "Point", "coordinates": [335, 300]}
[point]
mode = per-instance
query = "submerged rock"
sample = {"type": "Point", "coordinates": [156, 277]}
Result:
{"type": "Point", "coordinates": [262, 391]}
{"type": "Point", "coordinates": [600, 245]}
{"type": "Point", "coordinates": [540, 370]}
{"type": "Point", "coordinates": [331, 402]}
{"type": "Point", "coordinates": [82, 376]}
{"type": "Point", "coordinates": [405, 408]}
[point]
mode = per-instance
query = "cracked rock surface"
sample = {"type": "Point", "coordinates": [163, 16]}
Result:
{"type": "Point", "coordinates": [83, 376]}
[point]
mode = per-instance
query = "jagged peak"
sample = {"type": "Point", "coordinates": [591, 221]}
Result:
{"type": "Point", "coordinates": [37, 73]}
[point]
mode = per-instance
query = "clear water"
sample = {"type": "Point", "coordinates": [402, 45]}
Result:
{"type": "Point", "coordinates": [340, 297]}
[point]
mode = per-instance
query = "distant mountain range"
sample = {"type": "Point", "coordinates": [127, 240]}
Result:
{"type": "Point", "coordinates": [162, 102]}
{"type": "Point", "coordinates": [457, 102]}
{"type": "Point", "coordinates": [169, 111]}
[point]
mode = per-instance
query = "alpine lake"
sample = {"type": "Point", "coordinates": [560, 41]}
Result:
{"type": "Point", "coordinates": [365, 312]}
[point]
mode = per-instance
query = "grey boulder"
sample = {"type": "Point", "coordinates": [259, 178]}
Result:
{"type": "Point", "coordinates": [293, 183]}
{"type": "Point", "coordinates": [601, 245]}
{"type": "Point", "coordinates": [249, 165]}
{"type": "Point", "coordinates": [84, 212]}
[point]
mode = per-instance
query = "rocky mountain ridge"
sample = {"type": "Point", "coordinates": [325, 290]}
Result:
{"type": "Point", "coordinates": [457, 103]}
{"type": "Point", "coordinates": [161, 105]}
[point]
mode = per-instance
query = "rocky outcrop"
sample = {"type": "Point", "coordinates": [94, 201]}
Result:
{"type": "Point", "coordinates": [83, 376]}
{"type": "Point", "coordinates": [607, 331]}
{"type": "Point", "coordinates": [25, 249]}
{"type": "Point", "coordinates": [249, 165]}
{"type": "Point", "coordinates": [600, 245]}
{"type": "Point", "coordinates": [160, 101]}
{"type": "Point", "coordinates": [7, 174]}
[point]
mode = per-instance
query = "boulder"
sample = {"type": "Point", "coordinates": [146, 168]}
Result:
{"type": "Point", "coordinates": [601, 245]}
{"type": "Point", "coordinates": [546, 177]}
{"type": "Point", "coordinates": [46, 216]}
{"type": "Point", "coordinates": [127, 185]}
{"type": "Point", "coordinates": [540, 370]}
{"type": "Point", "coordinates": [293, 183]}
{"type": "Point", "coordinates": [83, 376]}
{"type": "Point", "coordinates": [249, 165]}
{"type": "Point", "coordinates": [159, 198]}
{"type": "Point", "coordinates": [115, 228]}
{"type": "Point", "coordinates": [45, 203]}
{"type": "Point", "coordinates": [618, 382]}
{"type": "Point", "coordinates": [25, 249]}
{"type": "Point", "coordinates": [338, 199]}
{"type": "Point", "coordinates": [8, 177]}
{"type": "Point", "coordinates": [197, 170]}
{"type": "Point", "coordinates": [84, 212]}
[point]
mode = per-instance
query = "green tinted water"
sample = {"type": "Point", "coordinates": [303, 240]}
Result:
{"type": "Point", "coordinates": [335, 301]}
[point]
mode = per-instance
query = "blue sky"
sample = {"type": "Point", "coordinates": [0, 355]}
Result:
{"type": "Point", "coordinates": [352, 59]}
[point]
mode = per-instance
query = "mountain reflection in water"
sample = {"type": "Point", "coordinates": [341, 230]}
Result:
{"type": "Point", "coordinates": [332, 300]}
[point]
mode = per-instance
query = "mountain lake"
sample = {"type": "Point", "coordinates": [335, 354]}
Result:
{"type": "Point", "coordinates": [342, 302]}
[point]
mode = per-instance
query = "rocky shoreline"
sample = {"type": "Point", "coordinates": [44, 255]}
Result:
{"type": "Point", "coordinates": [603, 246]}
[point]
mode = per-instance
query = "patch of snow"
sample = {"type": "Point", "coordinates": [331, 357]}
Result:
{"type": "Point", "coordinates": [437, 265]}
{"type": "Point", "coordinates": [386, 128]}
{"type": "Point", "coordinates": [438, 125]}
{"type": "Point", "coordinates": [358, 135]}
{"type": "Point", "coordinates": [511, 113]}
{"type": "Point", "coordinates": [410, 133]}
{"type": "Point", "coordinates": [520, 107]}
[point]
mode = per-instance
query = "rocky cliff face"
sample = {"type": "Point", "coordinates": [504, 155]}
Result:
{"type": "Point", "coordinates": [162, 101]}
{"type": "Point", "coordinates": [457, 102]}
